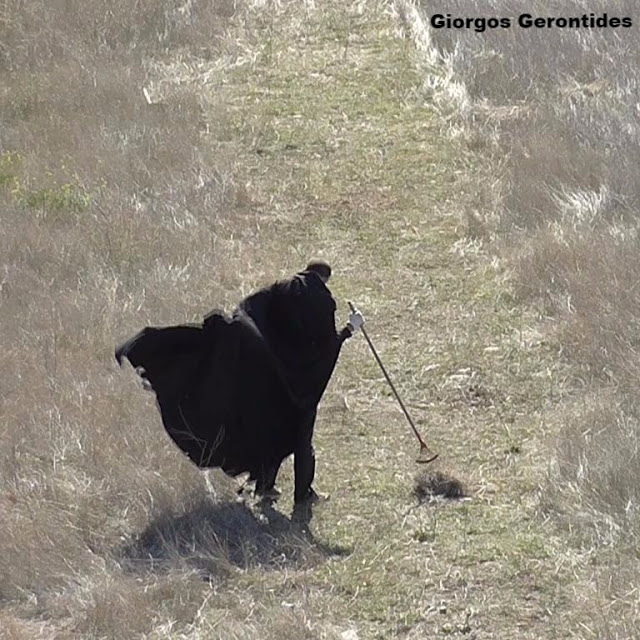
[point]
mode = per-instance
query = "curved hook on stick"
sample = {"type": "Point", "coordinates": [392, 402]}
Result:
{"type": "Point", "coordinates": [425, 456]}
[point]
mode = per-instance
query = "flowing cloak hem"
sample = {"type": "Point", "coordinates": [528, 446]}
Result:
{"type": "Point", "coordinates": [233, 392]}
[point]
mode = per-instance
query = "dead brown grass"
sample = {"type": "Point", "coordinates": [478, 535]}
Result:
{"type": "Point", "coordinates": [554, 112]}
{"type": "Point", "coordinates": [104, 197]}
{"type": "Point", "coordinates": [309, 132]}
{"type": "Point", "coordinates": [120, 207]}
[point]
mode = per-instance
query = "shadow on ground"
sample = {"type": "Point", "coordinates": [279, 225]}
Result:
{"type": "Point", "coordinates": [216, 537]}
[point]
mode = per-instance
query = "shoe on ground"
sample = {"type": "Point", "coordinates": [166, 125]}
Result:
{"type": "Point", "coordinates": [314, 497]}
{"type": "Point", "coordinates": [267, 494]}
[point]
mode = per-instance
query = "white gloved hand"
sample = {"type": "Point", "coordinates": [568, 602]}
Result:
{"type": "Point", "coordinates": [356, 320]}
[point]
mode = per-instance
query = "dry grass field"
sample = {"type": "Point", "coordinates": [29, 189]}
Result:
{"type": "Point", "coordinates": [557, 112]}
{"type": "Point", "coordinates": [161, 158]}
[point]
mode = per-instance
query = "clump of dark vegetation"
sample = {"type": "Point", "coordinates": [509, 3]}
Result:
{"type": "Point", "coordinates": [436, 484]}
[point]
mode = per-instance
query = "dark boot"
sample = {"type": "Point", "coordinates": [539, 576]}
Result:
{"type": "Point", "coordinates": [265, 483]}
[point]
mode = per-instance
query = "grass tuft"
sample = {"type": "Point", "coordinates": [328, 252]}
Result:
{"type": "Point", "coordinates": [429, 485]}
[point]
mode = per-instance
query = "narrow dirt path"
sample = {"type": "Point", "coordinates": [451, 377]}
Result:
{"type": "Point", "coordinates": [343, 157]}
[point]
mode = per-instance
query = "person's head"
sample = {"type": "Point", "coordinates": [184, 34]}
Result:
{"type": "Point", "coordinates": [320, 267]}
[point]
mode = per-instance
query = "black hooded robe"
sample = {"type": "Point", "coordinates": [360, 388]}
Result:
{"type": "Point", "coordinates": [241, 393]}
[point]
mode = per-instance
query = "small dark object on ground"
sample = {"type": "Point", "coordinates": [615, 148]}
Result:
{"type": "Point", "coordinates": [437, 484]}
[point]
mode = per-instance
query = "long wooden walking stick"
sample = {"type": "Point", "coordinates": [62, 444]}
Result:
{"type": "Point", "coordinates": [426, 455]}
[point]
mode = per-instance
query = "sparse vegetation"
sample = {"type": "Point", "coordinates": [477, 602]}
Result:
{"type": "Point", "coordinates": [160, 158]}
{"type": "Point", "coordinates": [555, 110]}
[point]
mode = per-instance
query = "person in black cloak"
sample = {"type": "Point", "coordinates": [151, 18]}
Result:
{"type": "Point", "coordinates": [241, 392]}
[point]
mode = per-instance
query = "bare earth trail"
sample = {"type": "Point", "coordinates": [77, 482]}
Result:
{"type": "Point", "coordinates": [343, 157]}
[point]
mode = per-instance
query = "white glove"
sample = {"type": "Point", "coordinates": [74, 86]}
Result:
{"type": "Point", "coordinates": [356, 320]}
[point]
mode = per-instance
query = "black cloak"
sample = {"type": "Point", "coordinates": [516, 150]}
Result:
{"type": "Point", "coordinates": [234, 391]}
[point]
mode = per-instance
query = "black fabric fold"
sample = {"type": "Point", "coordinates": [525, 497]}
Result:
{"type": "Point", "coordinates": [233, 391]}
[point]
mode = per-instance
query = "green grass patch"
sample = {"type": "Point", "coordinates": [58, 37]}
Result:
{"type": "Point", "coordinates": [56, 201]}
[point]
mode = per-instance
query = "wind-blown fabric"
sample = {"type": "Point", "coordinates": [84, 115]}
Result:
{"type": "Point", "coordinates": [234, 391]}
